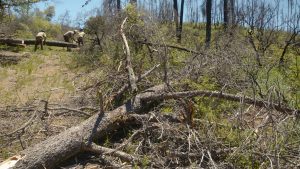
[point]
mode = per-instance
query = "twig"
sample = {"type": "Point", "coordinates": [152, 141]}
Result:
{"type": "Point", "coordinates": [126, 142]}
{"type": "Point", "coordinates": [212, 161]}
{"type": "Point", "coordinates": [103, 150]}
{"type": "Point", "coordinates": [68, 110]}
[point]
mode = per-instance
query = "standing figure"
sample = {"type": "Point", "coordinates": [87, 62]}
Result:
{"type": "Point", "coordinates": [69, 37]}
{"type": "Point", "coordinates": [40, 39]}
{"type": "Point", "coordinates": [80, 37]}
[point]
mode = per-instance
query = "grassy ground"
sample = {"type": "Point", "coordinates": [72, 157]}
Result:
{"type": "Point", "coordinates": [44, 75]}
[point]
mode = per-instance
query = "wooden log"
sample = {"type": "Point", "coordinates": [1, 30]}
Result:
{"type": "Point", "coordinates": [13, 42]}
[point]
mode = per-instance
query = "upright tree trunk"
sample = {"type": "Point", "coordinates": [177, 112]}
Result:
{"type": "Point", "coordinates": [181, 21]}
{"type": "Point", "coordinates": [175, 11]}
{"type": "Point", "coordinates": [225, 10]}
{"type": "Point", "coordinates": [232, 11]}
{"type": "Point", "coordinates": [119, 5]}
{"type": "Point", "coordinates": [208, 23]}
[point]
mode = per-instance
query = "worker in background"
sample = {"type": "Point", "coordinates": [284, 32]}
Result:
{"type": "Point", "coordinates": [80, 37]}
{"type": "Point", "coordinates": [40, 39]}
{"type": "Point", "coordinates": [69, 37]}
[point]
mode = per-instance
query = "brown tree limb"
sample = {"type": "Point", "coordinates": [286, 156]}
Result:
{"type": "Point", "coordinates": [172, 46]}
{"type": "Point", "coordinates": [131, 76]}
{"type": "Point", "coordinates": [220, 95]}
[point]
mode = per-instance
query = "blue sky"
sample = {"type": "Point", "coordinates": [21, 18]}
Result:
{"type": "Point", "coordinates": [73, 6]}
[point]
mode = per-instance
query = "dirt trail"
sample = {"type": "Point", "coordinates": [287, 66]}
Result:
{"type": "Point", "coordinates": [38, 77]}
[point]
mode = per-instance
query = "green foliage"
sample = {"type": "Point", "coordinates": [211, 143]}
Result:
{"type": "Point", "coordinates": [49, 13]}
{"type": "Point", "coordinates": [134, 17]}
{"type": "Point", "coordinates": [145, 161]}
{"type": "Point", "coordinates": [95, 24]}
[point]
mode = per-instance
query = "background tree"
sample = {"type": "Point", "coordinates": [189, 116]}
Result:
{"type": "Point", "coordinates": [119, 5]}
{"type": "Point", "coordinates": [208, 23]}
{"type": "Point", "coordinates": [176, 17]}
{"type": "Point", "coordinates": [225, 15]}
{"type": "Point", "coordinates": [49, 13]}
{"type": "Point", "coordinates": [181, 20]}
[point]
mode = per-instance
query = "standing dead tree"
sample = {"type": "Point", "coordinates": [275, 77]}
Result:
{"type": "Point", "coordinates": [128, 60]}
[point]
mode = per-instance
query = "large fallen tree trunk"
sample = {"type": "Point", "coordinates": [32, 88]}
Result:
{"type": "Point", "coordinates": [49, 153]}
{"type": "Point", "coordinates": [14, 42]}
{"type": "Point", "coordinates": [7, 57]}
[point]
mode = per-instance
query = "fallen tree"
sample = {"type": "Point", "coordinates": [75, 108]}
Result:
{"type": "Point", "coordinates": [56, 149]}
{"type": "Point", "coordinates": [15, 42]}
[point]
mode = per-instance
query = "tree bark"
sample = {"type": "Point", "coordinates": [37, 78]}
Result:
{"type": "Point", "coordinates": [13, 42]}
{"type": "Point", "coordinates": [208, 23]}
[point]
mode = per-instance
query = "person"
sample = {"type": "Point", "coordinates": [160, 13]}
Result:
{"type": "Point", "coordinates": [69, 37]}
{"type": "Point", "coordinates": [40, 39]}
{"type": "Point", "coordinates": [80, 37]}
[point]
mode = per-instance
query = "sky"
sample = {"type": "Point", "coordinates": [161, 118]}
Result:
{"type": "Point", "coordinates": [73, 6]}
